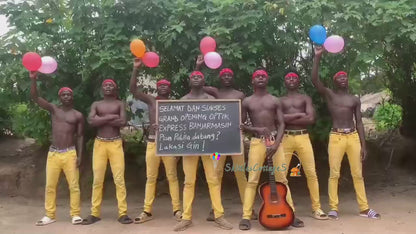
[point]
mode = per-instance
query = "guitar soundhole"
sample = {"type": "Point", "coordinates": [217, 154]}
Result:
{"type": "Point", "coordinates": [276, 216]}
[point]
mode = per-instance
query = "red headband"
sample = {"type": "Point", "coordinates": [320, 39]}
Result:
{"type": "Point", "coordinates": [109, 81]}
{"type": "Point", "coordinates": [260, 72]}
{"type": "Point", "coordinates": [196, 73]}
{"type": "Point", "coordinates": [163, 82]}
{"type": "Point", "coordinates": [291, 74]}
{"type": "Point", "coordinates": [226, 70]}
{"type": "Point", "coordinates": [340, 73]}
{"type": "Point", "coordinates": [64, 89]}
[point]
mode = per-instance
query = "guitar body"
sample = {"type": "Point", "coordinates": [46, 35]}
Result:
{"type": "Point", "coordinates": [275, 213]}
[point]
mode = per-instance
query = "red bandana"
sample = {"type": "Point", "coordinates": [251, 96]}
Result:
{"type": "Point", "coordinates": [226, 70]}
{"type": "Point", "coordinates": [197, 73]}
{"type": "Point", "coordinates": [64, 89]}
{"type": "Point", "coordinates": [260, 72]}
{"type": "Point", "coordinates": [340, 73]}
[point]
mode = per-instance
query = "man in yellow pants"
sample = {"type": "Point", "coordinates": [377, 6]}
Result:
{"type": "Point", "coordinates": [152, 161]}
{"type": "Point", "coordinates": [190, 166]}
{"type": "Point", "coordinates": [298, 113]}
{"type": "Point", "coordinates": [108, 116]}
{"type": "Point", "coordinates": [227, 91]}
{"type": "Point", "coordinates": [67, 125]}
{"type": "Point", "coordinates": [265, 112]}
{"type": "Point", "coordinates": [345, 137]}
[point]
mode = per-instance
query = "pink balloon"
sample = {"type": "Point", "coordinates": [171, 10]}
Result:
{"type": "Point", "coordinates": [49, 65]}
{"type": "Point", "coordinates": [207, 44]}
{"type": "Point", "coordinates": [31, 61]}
{"type": "Point", "coordinates": [151, 59]}
{"type": "Point", "coordinates": [334, 44]}
{"type": "Point", "coordinates": [213, 60]}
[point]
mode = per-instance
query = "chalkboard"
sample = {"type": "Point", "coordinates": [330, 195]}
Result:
{"type": "Point", "coordinates": [198, 127]}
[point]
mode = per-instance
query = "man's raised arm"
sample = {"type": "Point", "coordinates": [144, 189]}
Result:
{"type": "Point", "coordinates": [34, 93]}
{"type": "Point", "coordinates": [137, 92]}
{"type": "Point", "coordinates": [315, 71]}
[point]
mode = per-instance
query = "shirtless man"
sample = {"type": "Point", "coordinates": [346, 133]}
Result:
{"type": "Point", "coordinates": [190, 166]}
{"type": "Point", "coordinates": [227, 91]}
{"type": "Point", "coordinates": [298, 113]}
{"type": "Point", "coordinates": [152, 161]}
{"type": "Point", "coordinates": [345, 137]}
{"type": "Point", "coordinates": [265, 112]}
{"type": "Point", "coordinates": [63, 155]}
{"type": "Point", "coordinates": [108, 115]}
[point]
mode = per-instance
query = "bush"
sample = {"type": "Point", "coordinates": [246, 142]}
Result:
{"type": "Point", "coordinates": [388, 116]}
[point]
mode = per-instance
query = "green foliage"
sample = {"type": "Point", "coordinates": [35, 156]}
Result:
{"type": "Point", "coordinates": [388, 116]}
{"type": "Point", "coordinates": [30, 121]}
{"type": "Point", "coordinates": [90, 40]}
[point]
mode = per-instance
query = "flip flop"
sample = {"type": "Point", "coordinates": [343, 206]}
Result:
{"type": "Point", "coordinates": [76, 220]}
{"type": "Point", "coordinates": [90, 220]}
{"type": "Point", "coordinates": [333, 214]}
{"type": "Point", "coordinates": [244, 225]}
{"type": "Point", "coordinates": [297, 223]}
{"type": "Point", "coordinates": [319, 214]}
{"type": "Point", "coordinates": [143, 217]}
{"type": "Point", "coordinates": [45, 221]}
{"type": "Point", "coordinates": [124, 219]}
{"type": "Point", "coordinates": [372, 214]}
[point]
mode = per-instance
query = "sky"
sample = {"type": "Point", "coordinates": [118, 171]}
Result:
{"type": "Point", "coordinates": [3, 25]}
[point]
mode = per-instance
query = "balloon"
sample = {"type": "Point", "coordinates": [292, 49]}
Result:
{"type": "Point", "coordinates": [151, 59]}
{"type": "Point", "coordinates": [31, 61]}
{"type": "Point", "coordinates": [49, 65]}
{"type": "Point", "coordinates": [213, 60]}
{"type": "Point", "coordinates": [207, 44]}
{"type": "Point", "coordinates": [317, 33]}
{"type": "Point", "coordinates": [334, 44]}
{"type": "Point", "coordinates": [137, 48]}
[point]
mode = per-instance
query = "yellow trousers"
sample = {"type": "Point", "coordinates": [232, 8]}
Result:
{"type": "Point", "coordinates": [108, 151]}
{"type": "Point", "coordinates": [190, 166]}
{"type": "Point", "coordinates": [339, 144]}
{"type": "Point", "coordinates": [256, 157]}
{"type": "Point", "coordinates": [302, 145]}
{"type": "Point", "coordinates": [57, 162]}
{"type": "Point", "coordinates": [240, 175]}
{"type": "Point", "coordinates": [152, 171]}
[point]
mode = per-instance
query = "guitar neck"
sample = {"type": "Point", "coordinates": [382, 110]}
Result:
{"type": "Point", "coordinates": [272, 181]}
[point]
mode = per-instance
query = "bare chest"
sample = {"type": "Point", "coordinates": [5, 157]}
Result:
{"type": "Point", "coordinates": [61, 116]}
{"type": "Point", "coordinates": [108, 108]}
{"type": "Point", "coordinates": [290, 105]}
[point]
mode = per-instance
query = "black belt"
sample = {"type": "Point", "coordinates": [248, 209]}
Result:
{"type": "Point", "coordinates": [296, 132]}
{"type": "Point", "coordinates": [343, 130]}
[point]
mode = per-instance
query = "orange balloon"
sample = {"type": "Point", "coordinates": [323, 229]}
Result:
{"type": "Point", "coordinates": [138, 48]}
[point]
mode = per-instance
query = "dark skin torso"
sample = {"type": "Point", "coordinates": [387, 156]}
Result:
{"type": "Point", "coordinates": [262, 110]}
{"type": "Point", "coordinates": [342, 109]}
{"type": "Point", "coordinates": [64, 126]}
{"type": "Point", "coordinates": [297, 103]}
{"type": "Point", "coordinates": [108, 108]}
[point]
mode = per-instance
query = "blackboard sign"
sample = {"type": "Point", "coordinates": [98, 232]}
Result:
{"type": "Point", "coordinates": [198, 127]}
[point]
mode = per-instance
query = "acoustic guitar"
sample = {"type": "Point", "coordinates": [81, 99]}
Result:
{"type": "Point", "coordinates": [275, 213]}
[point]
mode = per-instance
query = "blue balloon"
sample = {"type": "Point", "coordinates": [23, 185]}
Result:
{"type": "Point", "coordinates": [318, 34]}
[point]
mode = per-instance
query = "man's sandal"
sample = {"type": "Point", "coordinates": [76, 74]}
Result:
{"type": "Point", "coordinates": [90, 220]}
{"type": "Point", "coordinates": [297, 223]}
{"type": "Point", "coordinates": [372, 214]}
{"type": "Point", "coordinates": [319, 214]}
{"type": "Point", "coordinates": [143, 217]}
{"type": "Point", "coordinates": [333, 214]}
{"type": "Point", "coordinates": [76, 220]}
{"type": "Point", "coordinates": [124, 219]}
{"type": "Point", "coordinates": [178, 215]}
{"type": "Point", "coordinates": [45, 221]}
{"type": "Point", "coordinates": [244, 225]}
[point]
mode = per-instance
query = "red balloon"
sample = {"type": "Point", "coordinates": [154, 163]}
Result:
{"type": "Point", "coordinates": [32, 61]}
{"type": "Point", "coordinates": [207, 44]}
{"type": "Point", "coordinates": [151, 59]}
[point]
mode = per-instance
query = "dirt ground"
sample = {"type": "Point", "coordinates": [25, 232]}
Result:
{"type": "Point", "coordinates": [392, 193]}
